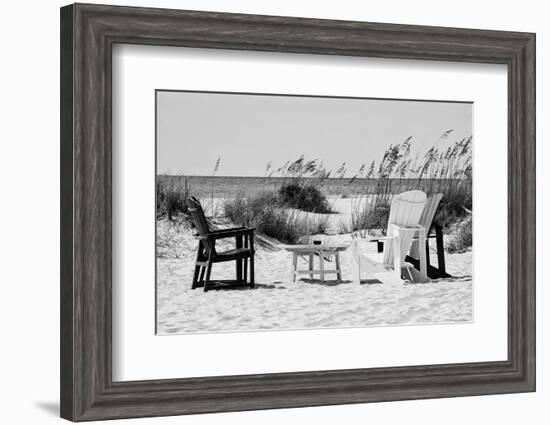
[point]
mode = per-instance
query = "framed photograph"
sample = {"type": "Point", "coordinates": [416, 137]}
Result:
{"type": "Point", "coordinates": [264, 212]}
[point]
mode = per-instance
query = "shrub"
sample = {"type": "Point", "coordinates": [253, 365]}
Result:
{"type": "Point", "coordinates": [304, 197]}
{"type": "Point", "coordinates": [463, 237]}
{"type": "Point", "coordinates": [263, 212]}
{"type": "Point", "coordinates": [455, 205]}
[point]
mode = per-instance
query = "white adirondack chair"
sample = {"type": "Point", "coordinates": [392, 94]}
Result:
{"type": "Point", "coordinates": [403, 224]}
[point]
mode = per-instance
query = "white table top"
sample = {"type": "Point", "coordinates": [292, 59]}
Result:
{"type": "Point", "coordinates": [316, 248]}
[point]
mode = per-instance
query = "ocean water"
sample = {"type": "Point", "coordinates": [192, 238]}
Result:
{"type": "Point", "coordinates": [230, 186]}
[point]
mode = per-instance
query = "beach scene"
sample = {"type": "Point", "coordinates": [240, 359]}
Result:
{"type": "Point", "coordinates": [289, 212]}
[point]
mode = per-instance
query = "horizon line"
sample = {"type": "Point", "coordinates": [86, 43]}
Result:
{"type": "Point", "coordinates": [310, 177]}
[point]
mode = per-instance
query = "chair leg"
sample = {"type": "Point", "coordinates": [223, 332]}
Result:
{"type": "Point", "coordinates": [423, 264]}
{"type": "Point", "coordinates": [251, 241]}
{"type": "Point", "coordinates": [427, 254]}
{"type": "Point", "coordinates": [196, 277]}
{"type": "Point", "coordinates": [252, 282]}
{"type": "Point", "coordinates": [338, 268]}
{"type": "Point", "coordinates": [245, 262]}
{"type": "Point", "coordinates": [201, 277]}
{"type": "Point", "coordinates": [294, 267]}
{"type": "Point", "coordinates": [311, 266]}
{"type": "Point", "coordinates": [239, 263]}
{"type": "Point", "coordinates": [440, 250]}
{"type": "Point", "coordinates": [197, 267]}
{"type": "Point", "coordinates": [239, 271]}
{"type": "Point", "coordinates": [397, 262]}
{"type": "Point", "coordinates": [208, 272]}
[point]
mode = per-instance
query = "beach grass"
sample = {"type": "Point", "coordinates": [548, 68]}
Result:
{"type": "Point", "coordinates": [171, 196]}
{"type": "Point", "coordinates": [265, 213]}
{"type": "Point", "coordinates": [447, 171]}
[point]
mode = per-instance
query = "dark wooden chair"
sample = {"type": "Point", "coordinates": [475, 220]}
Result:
{"type": "Point", "coordinates": [207, 254]}
{"type": "Point", "coordinates": [433, 231]}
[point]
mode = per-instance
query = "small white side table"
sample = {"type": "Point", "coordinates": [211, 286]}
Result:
{"type": "Point", "coordinates": [310, 251]}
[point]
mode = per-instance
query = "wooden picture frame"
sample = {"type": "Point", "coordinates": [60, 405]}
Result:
{"type": "Point", "coordinates": [88, 33]}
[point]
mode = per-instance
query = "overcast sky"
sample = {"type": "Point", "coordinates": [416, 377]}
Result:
{"type": "Point", "coordinates": [248, 131]}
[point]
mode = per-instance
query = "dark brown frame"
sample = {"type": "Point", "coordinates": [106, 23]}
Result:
{"type": "Point", "coordinates": [88, 33]}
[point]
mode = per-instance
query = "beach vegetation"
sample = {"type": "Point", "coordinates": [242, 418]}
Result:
{"type": "Point", "coordinates": [290, 202]}
{"type": "Point", "coordinates": [462, 238]}
{"type": "Point", "coordinates": [447, 171]}
{"type": "Point", "coordinates": [171, 195]}
{"type": "Point", "coordinates": [305, 197]}
{"type": "Point", "coordinates": [264, 213]}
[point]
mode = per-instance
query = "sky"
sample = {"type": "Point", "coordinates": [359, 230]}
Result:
{"type": "Point", "coordinates": [247, 131]}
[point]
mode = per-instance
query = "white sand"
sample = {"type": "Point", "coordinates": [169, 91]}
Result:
{"type": "Point", "coordinates": [276, 303]}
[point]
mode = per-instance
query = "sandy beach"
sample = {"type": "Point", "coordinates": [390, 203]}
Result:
{"type": "Point", "coordinates": [276, 303]}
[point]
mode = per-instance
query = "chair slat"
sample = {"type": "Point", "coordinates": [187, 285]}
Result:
{"type": "Point", "coordinates": [426, 220]}
{"type": "Point", "coordinates": [197, 213]}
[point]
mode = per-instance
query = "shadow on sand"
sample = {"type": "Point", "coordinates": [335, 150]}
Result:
{"type": "Point", "coordinates": [325, 283]}
{"type": "Point", "coordinates": [444, 280]}
{"type": "Point", "coordinates": [371, 282]}
{"type": "Point", "coordinates": [284, 285]}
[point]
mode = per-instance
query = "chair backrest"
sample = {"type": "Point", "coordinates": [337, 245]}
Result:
{"type": "Point", "coordinates": [405, 210]}
{"type": "Point", "coordinates": [426, 220]}
{"type": "Point", "coordinates": [195, 208]}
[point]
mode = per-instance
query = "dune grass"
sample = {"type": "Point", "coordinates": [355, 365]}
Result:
{"type": "Point", "coordinates": [171, 194]}
{"type": "Point", "coordinates": [446, 171]}
{"type": "Point", "coordinates": [265, 213]}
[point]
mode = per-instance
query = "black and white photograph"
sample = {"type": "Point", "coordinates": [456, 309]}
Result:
{"type": "Point", "coordinates": [275, 212]}
{"type": "Point", "coordinates": [283, 211]}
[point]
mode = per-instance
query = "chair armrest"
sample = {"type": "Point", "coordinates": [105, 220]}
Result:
{"type": "Point", "coordinates": [227, 233]}
{"type": "Point", "coordinates": [415, 228]}
{"type": "Point", "coordinates": [375, 239]}
{"type": "Point", "coordinates": [227, 230]}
